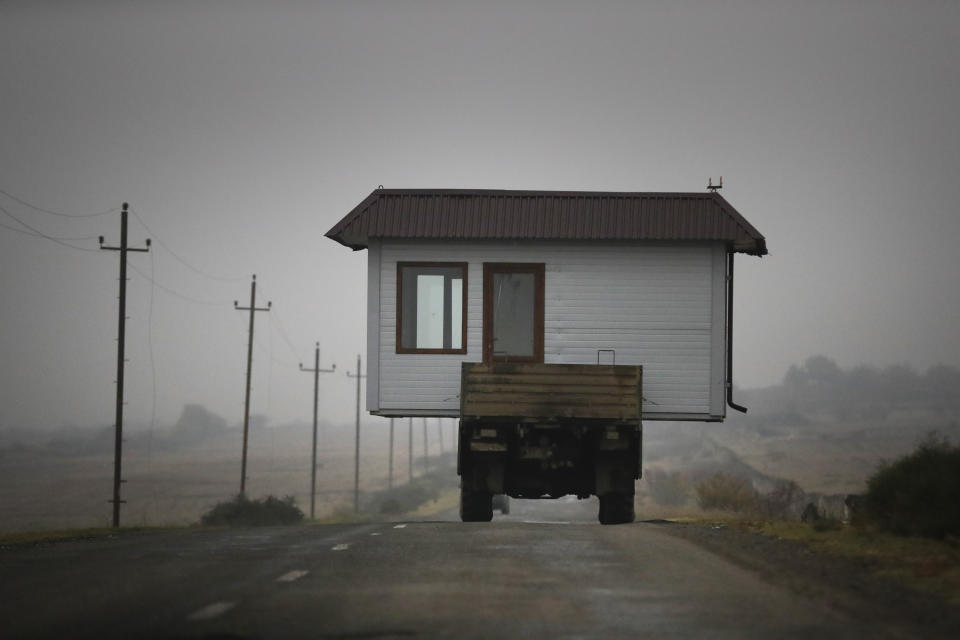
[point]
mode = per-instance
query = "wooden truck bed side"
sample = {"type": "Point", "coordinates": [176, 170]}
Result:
{"type": "Point", "coordinates": [551, 391]}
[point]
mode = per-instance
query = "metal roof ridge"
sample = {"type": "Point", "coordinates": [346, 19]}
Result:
{"type": "Point", "coordinates": [539, 192]}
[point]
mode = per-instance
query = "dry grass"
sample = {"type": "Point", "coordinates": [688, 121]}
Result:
{"type": "Point", "coordinates": [47, 491]}
{"type": "Point", "coordinates": [931, 566]}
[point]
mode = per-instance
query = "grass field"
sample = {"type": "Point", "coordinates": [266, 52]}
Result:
{"type": "Point", "coordinates": [46, 489]}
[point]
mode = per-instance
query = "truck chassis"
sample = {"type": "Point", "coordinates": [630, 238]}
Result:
{"type": "Point", "coordinates": [549, 430]}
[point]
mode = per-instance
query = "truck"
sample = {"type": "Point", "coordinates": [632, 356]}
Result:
{"type": "Point", "coordinates": [542, 431]}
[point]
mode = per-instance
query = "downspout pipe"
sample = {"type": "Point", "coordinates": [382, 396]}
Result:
{"type": "Point", "coordinates": [729, 382]}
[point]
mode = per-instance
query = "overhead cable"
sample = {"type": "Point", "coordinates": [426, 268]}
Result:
{"type": "Point", "coordinates": [40, 234]}
{"type": "Point", "coordinates": [177, 293]}
{"type": "Point", "coordinates": [180, 259]}
{"type": "Point", "coordinates": [57, 213]}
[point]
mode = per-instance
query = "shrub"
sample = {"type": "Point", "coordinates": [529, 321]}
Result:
{"type": "Point", "coordinates": [670, 489]}
{"type": "Point", "coordinates": [826, 524]}
{"type": "Point", "coordinates": [918, 494]}
{"type": "Point", "coordinates": [404, 498]}
{"type": "Point", "coordinates": [780, 501]}
{"type": "Point", "coordinates": [726, 491]}
{"type": "Point", "coordinates": [241, 511]}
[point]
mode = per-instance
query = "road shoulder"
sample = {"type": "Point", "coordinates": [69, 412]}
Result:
{"type": "Point", "coordinates": [847, 585]}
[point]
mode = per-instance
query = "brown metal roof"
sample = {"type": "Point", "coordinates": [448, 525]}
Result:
{"type": "Point", "coordinates": [546, 215]}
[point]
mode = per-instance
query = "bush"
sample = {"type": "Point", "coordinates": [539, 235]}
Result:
{"type": "Point", "coordinates": [243, 512]}
{"type": "Point", "coordinates": [918, 494]}
{"type": "Point", "coordinates": [780, 501]}
{"type": "Point", "coordinates": [670, 489]}
{"type": "Point", "coordinates": [406, 497]}
{"type": "Point", "coordinates": [725, 491]}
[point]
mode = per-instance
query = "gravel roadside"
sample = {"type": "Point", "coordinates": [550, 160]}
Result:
{"type": "Point", "coordinates": [848, 585]}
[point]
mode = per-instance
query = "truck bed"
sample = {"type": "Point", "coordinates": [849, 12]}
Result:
{"type": "Point", "coordinates": [551, 391]}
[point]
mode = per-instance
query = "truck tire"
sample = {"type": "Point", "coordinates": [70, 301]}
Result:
{"type": "Point", "coordinates": [616, 508]}
{"type": "Point", "coordinates": [475, 506]}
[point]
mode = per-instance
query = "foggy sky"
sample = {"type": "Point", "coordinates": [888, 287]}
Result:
{"type": "Point", "coordinates": [241, 133]}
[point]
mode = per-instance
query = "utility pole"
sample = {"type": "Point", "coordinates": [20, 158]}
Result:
{"type": "Point", "coordinates": [390, 465]}
{"type": "Point", "coordinates": [410, 452]}
{"type": "Point", "coordinates": [121, 335]}
{"type": "Point", "coordinates": [440, 433]}
{"type": "Point", "coordinates": [316, 394]}
{"type": "Point", "coordinates": [356, 457]}
{"type": "Point", "coordinates": [246, 403]}
{"type": "Point", "coordinates": [426, 459]}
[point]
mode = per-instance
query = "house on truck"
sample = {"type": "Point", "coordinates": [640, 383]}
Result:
{"type": "Point", "coordinates": [547, 279]}
{"type": "Point", "coordinates": [643, 277]}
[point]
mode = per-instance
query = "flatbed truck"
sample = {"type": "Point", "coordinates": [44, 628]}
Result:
{"type": "Point", "coordinates": [541, 431]}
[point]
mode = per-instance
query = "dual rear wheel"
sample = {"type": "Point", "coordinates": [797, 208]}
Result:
{"type": "Point", "coordinates": [475, 506]}
{"type": "Point", "coordinates": [616, 508]}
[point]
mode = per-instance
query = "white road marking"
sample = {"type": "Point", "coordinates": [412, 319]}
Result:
{"type": "Point", "coordinates": [211, 611]}
{"type": "Point", "coordinates": [290, 576]}
{"type": "Point", "coordinates": [341, 547]}
{"type": "Point", "coordinates": [399, 526]}
{"type": "Point", "coordinates": [375, 533]}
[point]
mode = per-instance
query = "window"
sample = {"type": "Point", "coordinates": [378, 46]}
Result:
{"type": "Point", "coordinates": [513, 305]}
{"type": "Point", "coordinates": [431, 307]}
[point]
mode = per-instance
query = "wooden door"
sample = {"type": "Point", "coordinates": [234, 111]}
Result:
{"type": "Point", "coordinates": [513, 301]}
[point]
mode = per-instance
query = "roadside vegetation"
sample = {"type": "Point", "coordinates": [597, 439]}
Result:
{"type": "Point", "coordinates": [243, 512]}
{"type": "Point", "coordinates": [419, 492]}
{"type": "Point", "coordinates": [905, 527]}
{"type": "Point", "coordinates": [918, 494]}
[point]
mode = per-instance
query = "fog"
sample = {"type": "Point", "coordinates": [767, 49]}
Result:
{"type": "Point", "coordinates": [240, 134]}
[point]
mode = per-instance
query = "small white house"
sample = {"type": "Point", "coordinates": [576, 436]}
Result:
{"type": "Point", "coordinates": [458, 275]}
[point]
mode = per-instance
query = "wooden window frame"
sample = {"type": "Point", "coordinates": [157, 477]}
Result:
{"type": "Point", "coordinates": [400, 349]}
{"type": "Point", "coordinates": [538, 270]}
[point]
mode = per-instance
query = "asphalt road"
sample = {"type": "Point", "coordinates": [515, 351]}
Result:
{"type": "Point", "coordinates": [539, 573]}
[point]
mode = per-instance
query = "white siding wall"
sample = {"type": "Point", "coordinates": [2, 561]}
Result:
{"type": "Point", "coordinates": [656, 304]}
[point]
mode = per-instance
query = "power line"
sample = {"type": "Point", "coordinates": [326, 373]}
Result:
{"type": "Point", "coordinates": [41, 234]}
{"type": "Point", "coordinates": [176, 293]}
{"type": "Point", "coordinates": [57, 213]}
{"type": "Point", "coordinates": [37, 235]}
{"type": "Point", "coordinates": [182, 260]}
{"type": "Point", "coordinates": [283, 333]}
{"type": "Point", "coordinates": [267, 352]}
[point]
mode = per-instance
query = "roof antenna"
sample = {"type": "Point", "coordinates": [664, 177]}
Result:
{"type": "Point", "coordinates": [712, 188]}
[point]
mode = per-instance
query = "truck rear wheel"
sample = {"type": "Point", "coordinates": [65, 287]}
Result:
{"type": "Point", "coordinates": [616, 508]}
{"type": "Point", "coordinates": [475, 506]}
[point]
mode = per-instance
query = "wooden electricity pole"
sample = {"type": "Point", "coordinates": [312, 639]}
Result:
{"type": "Point", "coordinates": [316, 394]}
{"type": "Point", "coordinates": [356, 457]}
{"type": "Point", "coordinates": [246, 403]}
{"type": "Point", "coordinates": [390, 464]}
{"type": "Point", "coordinates": [121, 336]}
{"type": "Point", "coordinates": [426, 459]}
{"type": "Point", "coordinates": [440, 433]}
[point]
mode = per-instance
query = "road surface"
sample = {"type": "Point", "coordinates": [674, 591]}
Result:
{"type": "Point", "coordinates": [537, 573]}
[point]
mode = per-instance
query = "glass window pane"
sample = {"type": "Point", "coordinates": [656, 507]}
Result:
{"type": "Point", "coordinates": [429, 312]}
{"type": "Point", "coordinates": [513, 311]}
{"type": "Point", "coordinates": [456, 313]}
